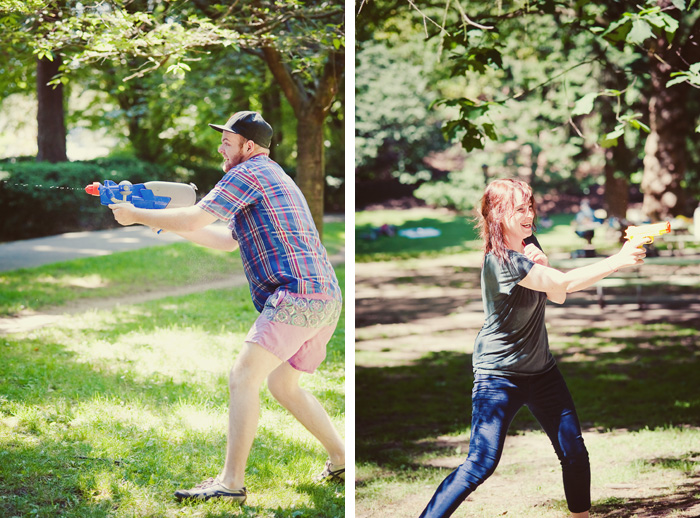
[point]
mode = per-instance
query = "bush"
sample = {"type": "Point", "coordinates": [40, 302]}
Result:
{"type": "Point", "coordinates": [462, 191]}
{"type": "Point", "coordinates": [40, 199]}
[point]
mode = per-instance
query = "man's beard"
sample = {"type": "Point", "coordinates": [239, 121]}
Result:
{"type": "Point", "coordinates": [232, 162]}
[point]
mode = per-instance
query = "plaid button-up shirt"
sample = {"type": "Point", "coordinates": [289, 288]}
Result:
{"type": "Point", "coordinates": [269, 217]}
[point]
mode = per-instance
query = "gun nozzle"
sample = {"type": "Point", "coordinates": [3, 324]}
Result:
{"type": "Point", "coordinates": [93, 189]}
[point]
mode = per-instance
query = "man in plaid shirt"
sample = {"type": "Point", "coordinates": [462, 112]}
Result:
{"type": "Point", "coordinates": [292, 284]}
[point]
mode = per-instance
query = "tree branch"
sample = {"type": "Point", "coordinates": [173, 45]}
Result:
{"type": "Point", "coordinates": [328, 85]}
{"type": "Point", "coordinates": [293, 90]}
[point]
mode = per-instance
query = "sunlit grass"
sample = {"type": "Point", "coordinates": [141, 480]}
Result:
{"type": "Point", "coordinates": [457, 234]}
{"type": "Point", "coordinates": [151, 268]}
{"type": "Point", "coordinates": [109, 411]}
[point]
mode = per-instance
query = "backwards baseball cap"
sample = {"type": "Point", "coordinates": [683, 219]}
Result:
{"type": "Point", "coordinates": [249, 125]}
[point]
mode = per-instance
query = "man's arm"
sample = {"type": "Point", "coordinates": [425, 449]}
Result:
{"type": "Point", "coordinates": [185, 219]}
{"type": "Point", "coordinates": [212, 236]}
{"type": "Point", "coordinates": [192, 223]}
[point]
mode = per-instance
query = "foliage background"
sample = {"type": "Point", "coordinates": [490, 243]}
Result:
{"type": "Point", "coordinates": [534, 90]}
{"type": "Point", "coordinates": [144, 79]}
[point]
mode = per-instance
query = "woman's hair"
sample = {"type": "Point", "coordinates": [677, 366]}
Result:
{"type": "Point", "coordinates": [497, 204]}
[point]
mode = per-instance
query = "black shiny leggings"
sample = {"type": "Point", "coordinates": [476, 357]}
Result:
{"type": "Point", "coordinates": [495, 401]}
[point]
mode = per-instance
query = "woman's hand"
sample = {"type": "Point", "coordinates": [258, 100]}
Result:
{"type": "Point", "coordinates": [536, 255]}
{"type": "Point", "coordinates": [632, 253]}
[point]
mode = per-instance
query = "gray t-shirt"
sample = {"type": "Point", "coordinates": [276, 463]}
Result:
{"type": "Point", "coordinates": [513, 340]}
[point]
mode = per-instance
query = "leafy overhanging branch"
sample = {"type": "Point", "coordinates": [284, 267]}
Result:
{"type": "Point", "coordinates": [473, 125]}
{"type": "Point", "coordinates": [109, 31]}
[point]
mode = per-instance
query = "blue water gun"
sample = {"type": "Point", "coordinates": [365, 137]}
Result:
{"type": "Point", "coordinates": [148, 195]}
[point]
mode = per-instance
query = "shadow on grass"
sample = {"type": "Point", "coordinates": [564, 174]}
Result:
{"type": "Point", "coordinates": [644, 382]}
{"type": "Point", "coordinates": [683, 498]}
{"type": "Point", "coordinates": [376, 310]}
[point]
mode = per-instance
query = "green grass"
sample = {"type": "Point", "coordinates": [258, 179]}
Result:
{"type": "Point", "coordinates": [458, 235]}
{"type": "Point", "coordinates": [334, 236]}
{"type": "Point", "coordinates": [125, 273]}
{"type": "Point", "coordinates": [106, 413]}
{"type": "Point", "coordinates": [119, 274]}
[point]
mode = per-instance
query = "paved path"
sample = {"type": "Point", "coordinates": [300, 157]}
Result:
{"type": "Point", "coordinates": [45, 250]}
{"type": "Point", "coordinates": [74, 245]}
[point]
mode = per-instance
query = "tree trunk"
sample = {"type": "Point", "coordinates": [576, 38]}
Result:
{"type": "Point", "coordinates": [665, 152]}
{"type": "Point", "coordinates": [665, 149]}
{"type": "Point", "coordinates": [310, 109]}
{"type": "Point", "coordinates": [310, 162]}
{"type": "Point", "coordinates": [619, 159]}
{"type": "Point", "coordinates": [272, 112]}
{"type": "Point", "coordinates": [51, 136]}
{"type": "Point", "coordinates": [618, 163]}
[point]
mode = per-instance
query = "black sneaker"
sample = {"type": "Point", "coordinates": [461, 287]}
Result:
{"type": "Point", "coordinates": [212, 488]}
{"type": "Point", "coordinates": [331, 473]}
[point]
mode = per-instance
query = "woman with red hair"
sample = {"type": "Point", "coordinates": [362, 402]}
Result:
{"type": "Point", "coordinates": [513, 366]}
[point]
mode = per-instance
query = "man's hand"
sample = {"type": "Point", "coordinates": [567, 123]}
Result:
{"type": "Point", "coordinates": [536, 255]}
{"type": "Point", "coordinates": [124, 213]}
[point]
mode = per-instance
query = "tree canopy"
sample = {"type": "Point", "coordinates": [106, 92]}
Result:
{"type": "Point", "coordinates": [165, 68]}
{"type": "Point", "coordinates": [565, 90]}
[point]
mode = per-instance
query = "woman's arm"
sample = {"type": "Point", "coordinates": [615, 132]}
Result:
{"type": "Point", "coordinates": [558, 284]}
{"type": "Point", "coordinates": [536, 255]}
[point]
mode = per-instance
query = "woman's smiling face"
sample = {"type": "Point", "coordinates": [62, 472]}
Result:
{"type": "Point", "coordinates": [518, 225]}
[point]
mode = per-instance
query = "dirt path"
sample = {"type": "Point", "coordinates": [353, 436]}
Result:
{"type": "Point", "coordinates": [27, 321]}
{"type": "Point", "coordinates": [397, 305]}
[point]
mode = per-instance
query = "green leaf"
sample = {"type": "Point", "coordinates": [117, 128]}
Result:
{"type": "Point", "coordinates": [679, 4]}
{"type": "Point", "coordinates": [663, 21]}
{"type": "Point", "coordinates": [584, 105]}
{"type": "Point", "coordinates": [641, 30]}
{"type": "Point", "coordinates": [614, 26]}
{"type": "Point", "coordinates": [610, 139]}
{"type": "Point", "coordinates": [639, 125]}
{"type": "Point", "coordinates": [490, 131]}
{"type": "Point", "coordinates": [679, 78]}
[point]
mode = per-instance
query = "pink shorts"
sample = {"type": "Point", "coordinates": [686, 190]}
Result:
{"type": "Point", "coordinates": [296, 328]}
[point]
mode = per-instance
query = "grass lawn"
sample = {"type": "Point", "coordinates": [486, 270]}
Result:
{"type": "Point", "coordinates": [107, 412]}
{"type": "Point", "coordinates": [632, 373]}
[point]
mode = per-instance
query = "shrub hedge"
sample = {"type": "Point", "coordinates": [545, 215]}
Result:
{"type": "Point", "coordinates": [40, 199]}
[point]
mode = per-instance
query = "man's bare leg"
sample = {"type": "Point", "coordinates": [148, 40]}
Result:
{"type": "Point", "coordinates": [283, 383]}
{"type": "Point", "coordinates": [580, 515]}
{"type": "Point", "coordinates": [252, 366]}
